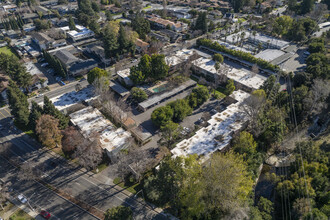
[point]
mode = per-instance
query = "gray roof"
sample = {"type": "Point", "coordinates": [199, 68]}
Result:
{"type": "Point", "coordinates": [41, 37]}
{"type": "Point", "coordinates": [66, 57]}
{"type": "Point", "coordinates": [159, 98]}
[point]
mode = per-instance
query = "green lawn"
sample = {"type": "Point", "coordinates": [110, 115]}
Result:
{"type": "Point", "coordinates": [20, 215]}
{"type": "Point", "coordinates": [149, 6]}
{"type": "Point", "coordinates": [133, 188]}
{"type": "Point", "coordinates": [7, 50]}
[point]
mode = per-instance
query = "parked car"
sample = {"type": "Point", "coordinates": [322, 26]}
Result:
{"type": "Point", "coordinates": [50, 71]}
{"type": "Point", "coordinates": [62, 83]}
{"type": "Point", "coordinates": [40, 95]}
{"type": "Point", "coordinates": [41, 59]}
{"type": "Point", "coordinates": [44, 64]}
{"type": "Point", "coordinates": [45, 214]}
{"type": "Point", "coordinates": [22, 198]}
{"type": "Point", "coordinates": [306, 53]}
{"type": "Point", "coordinates": [199, 121]}
{"type": "Point", "coordinates": [213, 112]}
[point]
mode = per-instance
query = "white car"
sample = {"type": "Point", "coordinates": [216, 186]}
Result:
{"type": "Point", "coordinates": [22, 198]}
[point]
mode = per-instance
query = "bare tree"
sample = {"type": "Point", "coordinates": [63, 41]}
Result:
{"type": "Point", "coordinates": [254, 70]}
{"type": "Point", "coordinates": [252, 107]}
{"type": "Point", "coordinates": [135, 163]}
{"type": "Point", "coordinates": [316, 100]}
{"type": "Point", "coordinates": [28, 171]}
{"type": "Point", "coordinates": [71, 139]}
{"type": "Point", "coordinates": [89, 153]}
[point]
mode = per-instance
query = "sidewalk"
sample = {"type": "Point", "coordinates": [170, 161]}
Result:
{"type": "Point", "coordinates": [25, 207]}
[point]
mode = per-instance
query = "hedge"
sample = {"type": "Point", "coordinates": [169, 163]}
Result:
{"type": "Point", "coordinates": [243, 55]}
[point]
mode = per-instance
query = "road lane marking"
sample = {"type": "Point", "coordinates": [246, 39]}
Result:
{"type": "Point", "coordinates": [7, 111]}
{"type": "Point", "coordinates": [3, 115]}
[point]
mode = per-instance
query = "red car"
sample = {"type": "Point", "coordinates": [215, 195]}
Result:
{"type": "Point", "coordinates": [45, 214]}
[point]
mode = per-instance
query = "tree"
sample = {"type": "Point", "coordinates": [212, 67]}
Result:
{"type": "Point", "coordinates": [18, 104]}
{"type": "Point", "coordinates": [177, 183]}
{"type": "Point", "coordinates": [266, 208]}
{"type": "Point", "coordinates": [218, 58]}
{"type": "Point", "coordinates": [138, 94]}
{"type": "Point", "coordinates": [89, 153]}
{"type": "Point", "coordinates": [145, 65]}
{"type": "Point", "coordinates": [35, 114]}
{"type": "Point", "coordinates": [50, 109]}
{"type": "Point", "coordinates": [108, 15]}
{"type": "Point", "coordinates": [123, 40]}
{"type": "Point", "coordinates": [230, 87]}
{"type": "Point", "coordinates": [47, 130]}
{"type": "Point", "coordinates": [201, 22]}
{"type": "Point", "coordinates": [72, 25]}
{"type": "Point", "coordinates": [181, 109]}
{"type": "Point", "coordinates": [96, 73]}
{"type": "Point", "coordinates": [136, 75]}
{"type": "Point", "coordinates": [201, 94]}
{"type": "Point", "coordinates": [270, 85]}
{"type": "Point", "coordinates": [253, 106]}
{"type": "Point", "coordinates": [119, 213]}
{"type": "Point", "coordinates": [141, 25]}
{"type": "Point", "coordinates": [226, 184]}
{"type": "Point", "coordinates": [169, 132]}
{"type": "Point", "coordinates": [316, 47]}
{"type": "Point", "coordinates": [94, 26]}
{"type": "Point", "coordinates": [307, 6]}
{"type": "Point", "coordinates": [110, 40]}
{"type": "Point", "coordinates": [95, 6]}
{"type": "Point", "coordinates": [282, 25]}
{"type": "Point", "coordinates": [71, 140]}
{"type": "Point", "coordinates": [162, 115]}
{"type": "Point", "coordinates": [158, 66]}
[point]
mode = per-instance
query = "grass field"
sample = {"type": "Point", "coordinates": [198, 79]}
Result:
{"type": "Point", "coordinates": [7, 50]}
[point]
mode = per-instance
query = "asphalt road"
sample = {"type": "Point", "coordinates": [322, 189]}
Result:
{"type": "Point", "coordinates": [39, 196]}
{"type": "Point", "coordinates": [5, 111]}
{"type": "Point", "coordinates": [95, 191]}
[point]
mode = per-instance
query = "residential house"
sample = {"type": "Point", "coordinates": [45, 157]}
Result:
{"type": "Point", "coordinates": [82, 67]}
{"type": "Point", "coordinates": [49, 3]}
{"type": "Point", "coordinates": [66, 58]}
{"type": "Point", "coordinates": [141, 46]}
{"type": "Point", "coordinates": [43, 41]}
{"type": "Point", "coordinates": [97, 51]}
{"type": "Point", "coordinates": [160, 23]}
{"type": "Point", "coordinates": [80, 34]}
{"type": "Point", "coordinates": [29, 27]}
{"type": "Point", "coordinates": [29, 17]}
{"type": "Point", "coordinates": [174, 36]}
{"type": "Point", "coordinates": [161, 38]}
{"type": "Point", "coordinates": [74, 65]}
{"type": "Point", "coordinates": [123, 76]}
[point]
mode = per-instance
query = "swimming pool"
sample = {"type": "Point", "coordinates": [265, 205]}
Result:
{"type": "Point", "coordinates": [159, 89]}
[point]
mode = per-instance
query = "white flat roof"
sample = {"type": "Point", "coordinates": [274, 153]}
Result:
{"type": "Point", "coordinates": [243, 76]}
{"type": "Point", "coordinates": [90, 120]}
{"type": "Point", "coordinates": [233, 37]}
{"type": "Point", "coordinates": [218, 134]}
{"type": "Point", "coordinates": [124, 73]}
{"type": "Point", "coordinates": [179, 57]}
{"type": "Point", "coordinates": [269, 54]}
{"type": "Point", "coordinates": [271, 40]}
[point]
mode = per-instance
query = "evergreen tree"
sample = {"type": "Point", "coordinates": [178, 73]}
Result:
{"type": "Point", "coordinates": [307, 6]}
{"type": "Point", "coordinates": [110, 41]}
{"type": "Point", "coordinates": [18, 104]}
{"type": "Point", "coordinates": [35, 114]}
{"type": "Point", "coordinates": [201, 22]}
{"type": "Point", "coordinates": [72, 25]}
{"type": "Point", "coordinates": [50, 109]}
{"type": "Point", "coordinates": [123, 40]}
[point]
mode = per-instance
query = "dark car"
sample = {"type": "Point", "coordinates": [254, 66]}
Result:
{"type": "Point", "coordinates": [45, 214]}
